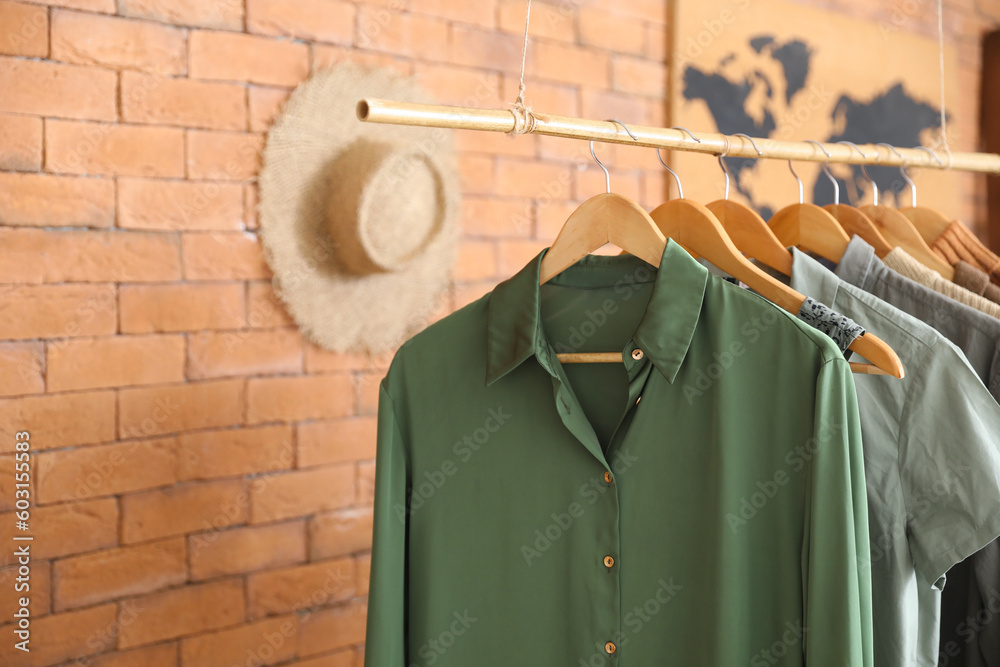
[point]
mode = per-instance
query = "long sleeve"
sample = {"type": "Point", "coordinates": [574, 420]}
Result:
{"type": "Point", "coordinates": [385, 639]}
{"type": "Point", "coordinates": [837, 579]}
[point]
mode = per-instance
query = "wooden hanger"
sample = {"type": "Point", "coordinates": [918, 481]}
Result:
{"type": "Point", "coordinates": [930, 224]}
{"type": "Point", "coordinates": [695, 228]}
{"type": "Point", "coordinates": [899, 231]}
{"type": "Point", "coordinates": [746, 228]}
{"type": "Point", "coordinates": [602, 219]}
{"type": "Point", "coordinates": [810, 227]}
{"type": "Point", "coordinates": [853, 221]}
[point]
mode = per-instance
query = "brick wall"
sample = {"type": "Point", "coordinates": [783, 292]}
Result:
{"type": "Point", "coordinates": [203, 476]}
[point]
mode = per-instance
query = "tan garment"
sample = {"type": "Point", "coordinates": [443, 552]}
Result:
{"type": "Point", "coordinates": [957, 242]}
{"type": "Point", "coordinates": [901, 262]}
{"type": "Point", "coordinates": [976, 281]}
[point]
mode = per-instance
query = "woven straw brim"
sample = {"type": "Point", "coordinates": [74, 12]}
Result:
{"type": "Point", "coordinates": [334, 308]}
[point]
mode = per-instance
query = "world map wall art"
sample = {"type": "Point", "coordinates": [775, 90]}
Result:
{"type": "Point", "coordinates": [773, 69]}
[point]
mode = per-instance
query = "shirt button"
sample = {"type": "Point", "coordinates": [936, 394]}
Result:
{"type": "Point", "coordinates": [637, 354]}
{"type": "Point", "coordinates": [609, 561]}
{"type": "Point", "coordinates": [610, 648]}
{"type": "Point", "coordinates": [608, 477]}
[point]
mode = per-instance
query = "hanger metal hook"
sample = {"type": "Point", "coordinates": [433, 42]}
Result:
{"type": "Point", "coordinates": [826, 170]}
{"type": "Point", "coordinates": [797, 179]}
{"type": "Point", "coordinates": [722, 161]}
{"type": "Point", "coordinates": [902, 172]}
{"type": "Point", "coordinates": [677, 179]}
{"type": "Point", "coordinates": [684, 129]}
{"type": "Point", "coordinates": [752, 142]}
{"type": "Point", "coordinates": [607, 174]}
{"type": "Point", "coordinates": [864, 170]}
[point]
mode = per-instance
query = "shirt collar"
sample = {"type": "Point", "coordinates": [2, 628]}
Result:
{"type": "Point", "coordinates": [514, 327]}
{"type": "Point", "coordinates": [858, 262]}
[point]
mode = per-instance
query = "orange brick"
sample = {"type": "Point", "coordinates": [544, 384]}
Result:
{"type": "Point", "coordinates": [224, 156]}
{"type": "Point", "coordinates": [113, 573]}
{"type": "Point", "coordinates": [514, 254]}
{"type": "Point", "coordinates": [330, 629]}
{"type": "Point", "coordinates": [495, 143]}
{"type": "Point", "coordinates": [119, 361]}
{"type": "Point", "coordinates": [324, 56]}
{"type": "Point", "coordinates": [183, 508]}
{"type": "Point", "coordinates": [300, 587]}
{"type": "Point", "coordinates": [606, 31]}
{"type": "Point", "coordinates": [339, 441]}
{"type": "Point", "coordinates": [476, 173]}
{"type": "Point", "coordinates": [486, 49]}
{"type": "Point", "coordinates": [251, 197]}
{"type": "Point", "coordinates": [519, 178]}
{"type": "Point", "coordinates": [56, 311]}
{"type": "Point", "coordinates": [366, 483]}
{"type": "Point", "coordinates": [639, 77]}
{"type": "Point", "coordinates": [169, 409]}
{"type": "Point", "coordinates": [285, 495]}
{"type": "Point", "coordinates": [20, 140]}
{"type": "Point", "coordinates": [159, 655]}
{"type": "Point", "coordinates": [462, 86]}
{"type": "Point", "coordinates": [654, 11]}
{"type": "Point", "coordinates": [291, 399]}
{"type": "Point", "coordinates": [544, 97]}
{"type": "Point", "coordinates": [572, 64]}
{"type": "Point", "coordinates": [24, 31]}
{"type": "Point", "coordinates": [246, 352]}
{"type": "Point", "coordinates": [264, 308]}
{"type": "Point", "coordinates": [319, 360]}
{"type": "Point", "coordinates": [477, 260]}
{"type": "Point", "coordinates": [48, 256]}
{"type": "Point", "coordinates": [590, 182]}
{"type": "Point", "coordinates": [56, 90]}
{"type": "Point", "coordinates": [104, 470]}
{"type": "Point", "coordinates": [235, 57]}
{"type": "Point", "coordinates": [612, 104]}
{"type": "Point", "coordinates": [340, 533]}
{"type": "Point", "coordinates": [183, 611]}
{"type": "Point", "coordinates": [248, 549]}
{"type": "Point", "coordinates": [39, 603]}
{"type": "Point", "coordinates": [549, 21]}
{"type": "Point", "coordinates": [100, 6]}
{"type": "Point", "coordinates": [55, 420]}
{"type": "Point", "coordinates": [383, 29]}
{"type": "Point", "coordinates": [21, 367]}
{"type": "Point", "coordinates": [234, 452]}
{"type": "Point", "coordinates": [71, 635]}
{"type": "Point", "coordinates": [272, 639]}
{"type": "Point", "coordinates": [56, 201]}
{"type": "Point", "coordinates": [188, 205]}
{"type": "Point", "coordinates": [657, 43]}
{"type": "Point", "coordinates": [227, 14]}
{"type": "Point", "coordinates": [169, 308]}
{"type": "Point", "coordinates": [477, 13]}
{"type": "Point", "coordinates": [314, 20]}
{"type": "Point", "coordinates": [164, 101]}
{"type": "Point", "coordinates": [223, 256]}
{"type": "Point", "coordinates": [89, 39]}
{"type": "Point", "coordinates": [265, 103]}
{"type": "Point", "coordinates": [68, 528]}
{"type": "Point", "coordinates": [484, 216]}
{"type": "Point", "coordinates": [123, 150]}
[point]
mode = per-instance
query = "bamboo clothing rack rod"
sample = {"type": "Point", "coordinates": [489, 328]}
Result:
{"type": "Point", "coordinates": [502, 120]}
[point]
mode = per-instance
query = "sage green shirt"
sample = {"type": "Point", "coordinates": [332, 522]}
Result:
{"type": "Point", "coordinates": [932, 462]}
{"type": "Point", "coordinates": [700, 503]}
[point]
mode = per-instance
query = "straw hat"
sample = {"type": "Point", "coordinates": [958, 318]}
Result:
{"type": "Point", "coordinates": [357, 219]}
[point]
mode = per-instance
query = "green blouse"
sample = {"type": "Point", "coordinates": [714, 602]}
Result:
{"type": "Point", "coordinates": [701, 503]}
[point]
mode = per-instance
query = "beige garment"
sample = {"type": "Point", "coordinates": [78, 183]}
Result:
{"type": "Point", "coordinates": [976, 281]}
{"type": "Point", "coordinates": [901, 262]}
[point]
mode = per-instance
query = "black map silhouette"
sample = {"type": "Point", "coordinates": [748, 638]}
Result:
{"type": "Point", "coordinates": [891, 116]}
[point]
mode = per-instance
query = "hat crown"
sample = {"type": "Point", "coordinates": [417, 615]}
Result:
{"type": "Point", "coordinates": [386, 205]}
